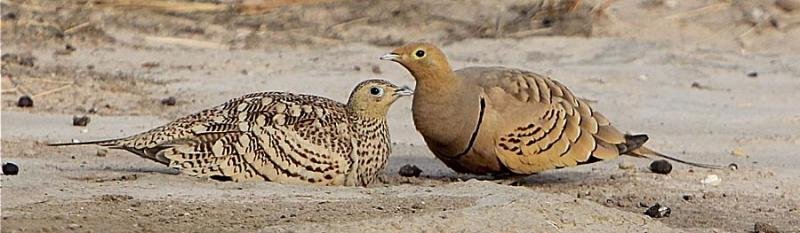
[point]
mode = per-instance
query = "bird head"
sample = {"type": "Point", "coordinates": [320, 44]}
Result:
{"type": "Point", "coordinates": [374, 97]}
{"type": "Point", "coordinates": [423, 60]}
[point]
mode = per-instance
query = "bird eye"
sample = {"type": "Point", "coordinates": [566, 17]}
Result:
{"type": "Point", "coordinates": [376, 91]}
{"type": "Point", "coordinates": [420, 53]}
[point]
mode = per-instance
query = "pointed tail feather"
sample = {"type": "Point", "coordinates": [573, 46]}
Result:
{"type": "Point", "coordinates": [107, 142]}
{"type": "Point", "coordinates": [644, 152]}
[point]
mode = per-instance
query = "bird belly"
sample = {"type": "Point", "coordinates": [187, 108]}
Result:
{"type": "Point", "coordinates": [476, 161]}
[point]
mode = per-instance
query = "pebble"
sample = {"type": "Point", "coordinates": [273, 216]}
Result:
{"type": "Point", "coordinates": [733, 166]}
{"type": "Point", "coordinates": [658, 211]}
{"type": "Point", "coordinates": [25, 102]}
{"type": "Point", "coordinates": [738, 151]}
{"type": "Point", "coordinates": [10, 169]}
{"type": "Point", "coordinates": [169, 101]}
{"type": "Point", "coordinates": [788, 5]}
{"type": "Point", "coordinates": [20, 59]}
{"type": "Point", "coordinates": [711, 180]}
{"type": "Point", "coordinates": [150, 64]}
{"type": "Point", "coordinates": [73, 226]}
{"type": "Point", "coordinates": [420, 205]}
{"type": "Point", "coordinates": [762, 227]}
{"type": "Point", "coordinates": [102, 152]}
{"type": "Point", "coordinates": [687, 197]}
{"type": "Point", "coordinates": [661, 167]}
{"type": "Point", "coordinates": [752, 74]}
{"type": "Point", "coordinates": [376, 69]}
{"type": "Point", "coordinates": [627, 166]}
{"type": "Point", "coordinates": [409, 170]}
{"type": "Point", "coordinates": [80, 120]}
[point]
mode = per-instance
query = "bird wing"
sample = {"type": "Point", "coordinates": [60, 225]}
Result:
{"type": "Point", "coordinates": [537, 124]}
{"type": "Point", "coordinates": [273, 136]}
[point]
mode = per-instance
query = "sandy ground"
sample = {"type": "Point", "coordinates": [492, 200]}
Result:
{"type": "Point", "coordinates": [682, 72]}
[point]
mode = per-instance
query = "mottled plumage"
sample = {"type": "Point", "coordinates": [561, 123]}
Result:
{"type": "Point", "coordinates": [497, 120]}
{"type": "Point", "coordinates": [277, 136]}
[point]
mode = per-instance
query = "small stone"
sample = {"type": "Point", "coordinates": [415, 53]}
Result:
{"type": "Point", "coordinates": [733, 166]}
{"type": "Point", "coordinates": [20, 59]}
{"type": "Point", "coordinates": [10, 169]}
{"type": "Point", "coordinates": [697, 85]}
{"type": "Point", "coordinates": [752, 74]}
{"type": "Point", "coordinates": [376, 69]}
{"type": "Point", "coordinates": [80, 120]}
{"type": "Point", "coordinates": [102, 152]}
{"type": "Point", "coordinates": [73, 226]}
{"type": "Point", "coordinates": [25, 102]}
{"type": "Point", "coordinates": [788, 5]}
{"type": "Point", "coordinates": [762, 227]}
{"type": "Point", "coordinates": [409, 170]}
{"type": "Point", "coordinates": [357, 68]}
{"type": "Point", "coordinates": [150, 64]}
{"type": "Point", "coordinates": [661, 167]}
{"type": "Point", "coordinates": [69, 47]}
{"type": "Point", "coordinates": [658, 211]}
{"type": "Point", "coordinates": [687, 197]}
{"type": "Point", "coordinates": [169, 101]}
{"type": "Point", "coordinates": [626, 165]}
{"type": "Point", "coordinates": [738, 151]}
{"type": "Point", "coordinates": [712, 179]}
{"type": "Point", "coordinates": [418, 206]}
{"type": "Point", "coordinates": [10, 16]}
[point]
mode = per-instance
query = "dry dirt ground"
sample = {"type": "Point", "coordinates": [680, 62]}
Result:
{"type": "Point", "coordinates": [710, 81]}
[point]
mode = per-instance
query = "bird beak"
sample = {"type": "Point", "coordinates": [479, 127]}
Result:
{"type": "Point", "coordinates": [404, 91]}
{"type": "Point", "coordinates": [391, 57]}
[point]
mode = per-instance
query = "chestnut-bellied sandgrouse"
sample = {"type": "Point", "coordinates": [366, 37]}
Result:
{"type": "Point", "coordinates": [277, 136]}
{"type": "Point", "coordinates": [504, 121]}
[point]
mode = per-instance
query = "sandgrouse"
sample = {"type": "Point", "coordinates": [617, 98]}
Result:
{"type": "Point", "coordinates": [503, 121]}
{"type": "Point", "coordinates": [277, 136]}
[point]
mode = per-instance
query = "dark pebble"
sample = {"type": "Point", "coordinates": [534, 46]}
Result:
{"type": "Point", "coordinates": [80, 120]}
{"type": "Point", "coordinates": [733, 166]}
{"type": "Point", "coordinates": [687, 197]}
{"type": "Point", "coordinates": [376, 69]}
{"type": "Point", "coordinates": [151, 65]}
{"type": "Point", "coordinates": [169, 101]}
{"type": "Point", "coordinates": [10, 16]}
{"type": "Point", "coordinates": [661, 167]}
{"type": "Point", "coordinates": [658, 211]}
{"type": "Point", "coordinates": [69, 47]}
{"type": "Point", "coordinates": [10, 169]}
{"type": "Point", "coordinates": [20, 59]}
{"type": "Point", "coordinates": [25, 102]}
{"type": "Point", "coordinates": [409, 170]}
{"type": "Point", "coordinates": [752, 74]}
{"type": "Point", "coordinates": [762, 227]}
